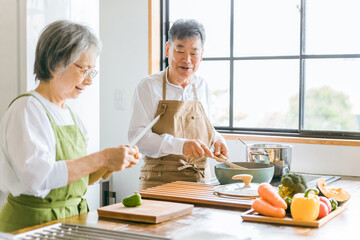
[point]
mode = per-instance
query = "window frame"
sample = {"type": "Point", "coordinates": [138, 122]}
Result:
{"type": "Point", "coordinates": [158, 61]}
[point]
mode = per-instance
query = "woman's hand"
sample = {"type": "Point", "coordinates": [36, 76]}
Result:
{"type": "Point", "coordinates": [97, 164]}
{"type": "Point", "coordinates": [220, 147]}
{"type": "Point", "coordinates": [121, 157]}
{"type": "Point", "coordinates": [196, 149]}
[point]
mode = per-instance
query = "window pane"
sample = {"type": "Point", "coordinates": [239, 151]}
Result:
{"type": "Point", "coordinates": [332, 27]}
{"type": "Point", "coordinates": [217, 28]}
{"type": "Point", "coordinates": [266, 94]}
{"type": "Point", "coordinates": [216, 73]}
{"type": "Point", "coordinates": [266, 28]}
{"type": "Point", "coordinates": [332, 99]}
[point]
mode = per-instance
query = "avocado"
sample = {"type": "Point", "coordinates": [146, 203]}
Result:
{"type": "Point", "coordinates": [132, 201]}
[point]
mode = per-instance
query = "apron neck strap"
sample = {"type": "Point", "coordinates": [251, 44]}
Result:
{"type": "Point", "coordinates": [32, 95]}
{"type": "Point", "coordinates": [194, 88]}
{"type": "Point", "coordinates": [164, 82]}
{"type": "Point", "coordinates": [165, 76]}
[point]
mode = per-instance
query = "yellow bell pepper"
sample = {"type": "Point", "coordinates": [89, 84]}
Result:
{"type": "Point", "coordinates": [305, 207]}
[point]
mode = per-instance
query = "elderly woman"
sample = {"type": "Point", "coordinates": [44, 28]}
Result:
{"type": "Point", "coordinates": [176, 146]}
{"type": "Point", "coordinates": [43, 161]}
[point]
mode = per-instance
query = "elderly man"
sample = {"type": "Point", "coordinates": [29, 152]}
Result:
{"type": "Point", "coordinates": [179, 142]}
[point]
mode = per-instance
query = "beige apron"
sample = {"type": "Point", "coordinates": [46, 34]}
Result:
{"type": "Point", "coordinates": [182, 120]}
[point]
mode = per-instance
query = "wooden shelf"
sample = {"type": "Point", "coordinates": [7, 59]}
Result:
{"type": "Point", "coordinates": [263, 138]}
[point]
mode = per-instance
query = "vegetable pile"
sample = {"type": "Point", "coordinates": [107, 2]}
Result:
{"type": "Point", "coordinates": [293, 197]}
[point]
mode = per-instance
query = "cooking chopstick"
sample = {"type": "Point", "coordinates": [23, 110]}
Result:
{"type": "Point", "coordinates": [223, 159]}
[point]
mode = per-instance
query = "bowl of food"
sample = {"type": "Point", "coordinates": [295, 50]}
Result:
{"type": "Point", "coordinates": [261, 172]}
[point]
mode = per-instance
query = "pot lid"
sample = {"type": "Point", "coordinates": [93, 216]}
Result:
{"type": "Point", "coordinates": [238, 190]}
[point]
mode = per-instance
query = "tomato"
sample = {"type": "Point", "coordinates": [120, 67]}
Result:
{"type": "Point", "coordinates": [323, 210]}
{"type": "Point", "coordinates": [327, 202]}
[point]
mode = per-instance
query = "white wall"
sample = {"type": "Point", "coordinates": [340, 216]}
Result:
{"type": "Point", "coordinates": [9, 52]}
{"type": "Point", "coordinates": [123, 31]}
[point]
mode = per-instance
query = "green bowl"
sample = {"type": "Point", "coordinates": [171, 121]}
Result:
{"type": "Point", "coordinates": [261, 172]}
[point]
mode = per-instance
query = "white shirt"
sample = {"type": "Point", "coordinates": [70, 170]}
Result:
{"type": "Point", "coordinates": [27, 147]}
{"type": "Point", "coordinates": [146, 97]}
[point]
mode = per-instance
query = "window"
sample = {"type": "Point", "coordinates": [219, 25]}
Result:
{"type": "Point", "coordinates": [279, 67]}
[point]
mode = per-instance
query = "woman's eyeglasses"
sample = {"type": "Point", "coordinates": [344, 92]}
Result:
{"type": "Point", "coordinates": [87, 72]}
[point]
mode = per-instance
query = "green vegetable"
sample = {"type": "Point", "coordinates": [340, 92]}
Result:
{"type": "Point", "coordinates": [334, 204]}
{"type": "Point", "coordinates": [132, 201]}
{"type": "Point", "coordinates": [292, 183]}
{"type": "Point", "coordinates": [288, 201]}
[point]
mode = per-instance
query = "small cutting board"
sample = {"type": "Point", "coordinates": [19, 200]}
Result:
{"type": "Point", "coordinates": [151, 211]}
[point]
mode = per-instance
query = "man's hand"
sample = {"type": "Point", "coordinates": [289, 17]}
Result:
{"type": "Point", "coordinates": [196, 149]}
{"type": "Point", "coordinates": [220, 147]}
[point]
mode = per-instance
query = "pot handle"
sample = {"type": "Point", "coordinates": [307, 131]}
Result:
{"type": "Point", "coordinates": [254, 152]}
{"type": "Point", "coordinates": [258, 152]}
{"type": "Point", "coordinates": [242, 142]}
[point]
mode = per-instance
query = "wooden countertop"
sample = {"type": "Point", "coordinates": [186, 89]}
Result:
{"type": "Point", "coordinates": [220, 223]}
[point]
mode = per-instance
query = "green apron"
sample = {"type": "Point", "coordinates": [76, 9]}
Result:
{"type": "Point", "coordinates": [25, 210]}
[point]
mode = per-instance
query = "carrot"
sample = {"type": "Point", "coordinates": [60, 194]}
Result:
{"type": "Point", "coordinates": [267, 192]}
{"type": "Point", "coordinates": [263, 207]}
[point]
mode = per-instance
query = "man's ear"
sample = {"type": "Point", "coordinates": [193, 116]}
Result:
{"type": "Point", "coordinates": [167, 47]}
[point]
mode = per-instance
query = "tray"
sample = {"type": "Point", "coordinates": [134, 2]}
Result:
{"type": "Point", "coordinates": [253, 216]}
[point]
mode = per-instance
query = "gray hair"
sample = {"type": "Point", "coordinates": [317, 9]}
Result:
{"type": "Point", "coordinates": [60, 44]}
{"type": "Point", "coordinates": [187, 28]}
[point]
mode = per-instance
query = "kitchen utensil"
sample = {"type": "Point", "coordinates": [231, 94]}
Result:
{"type": "Point", "coordinates": [278, 155]}
{"type": "Point", "coordinates": [254, 152]}
{"type": "Point", "coordinates": [195, 193]}
{"type": "Point", "coordinates": [151, 211]}
{"type": "Point", "coordinates": [144, 131]}
{"type": "Point", "coordinates": [223, 159]}
{"type": "Point", "coordinates": [137, 139]}
{"type": "Point", "coordinates": [242, 141]}
{"type": "Point", "coordinates": [261, 172]}
{"type": "Point", "coordinates": [245, 189]}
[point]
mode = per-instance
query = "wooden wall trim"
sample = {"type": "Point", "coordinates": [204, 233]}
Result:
{"type": "Point", "coordinates": [153, 36]}
{"type": "Point", "coordinates": [263, 138]}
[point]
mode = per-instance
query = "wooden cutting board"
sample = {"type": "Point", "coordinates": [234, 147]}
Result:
{"type": "Point", "coordinates": [192, 192]}
{"type": "Point", "coordinates": [253, 216]}
{"type": "Point", "coordinates": [151, 211]}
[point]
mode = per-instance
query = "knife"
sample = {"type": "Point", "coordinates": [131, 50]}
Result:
{"type": "Point", "coordinates": [137, 139]}
{"type": "Point", "coordinates": [144, 131]}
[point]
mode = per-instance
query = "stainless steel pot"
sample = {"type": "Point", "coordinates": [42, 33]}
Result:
{"type": "Point", "coordinates": [278, 155]}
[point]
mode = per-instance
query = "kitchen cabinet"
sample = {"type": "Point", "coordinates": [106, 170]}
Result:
{"type": "Point", "coordinates": [217, 222]}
